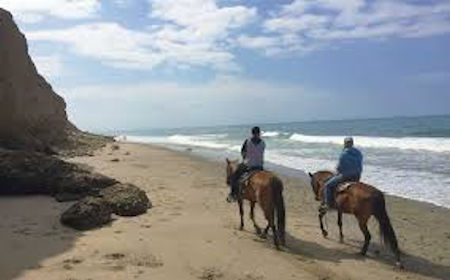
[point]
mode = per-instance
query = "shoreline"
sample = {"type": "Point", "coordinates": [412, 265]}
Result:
{"type": "Point", "coordinates": [205, 154]}
{"type": "Point", "coordinates": [192, 233]}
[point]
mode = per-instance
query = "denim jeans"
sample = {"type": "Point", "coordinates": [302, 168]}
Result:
{"type": "Point", "coordinates": [331, 185]}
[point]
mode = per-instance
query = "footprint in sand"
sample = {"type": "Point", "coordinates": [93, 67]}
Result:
{"type": "Point", "coordinates": [121, 261]}
{"type": "Point", "coordinates": [68, 264]}
{"type": "Point", "coordinates": [211, 273]}
{"type": "Point", "coordinates": [252, 276]}
{"type": "Point", "coordinates": [115, 256]}
{"type": "Point", "coordinates": [149, 261]}
{"type": "Point", "coordinates": [73, 261]}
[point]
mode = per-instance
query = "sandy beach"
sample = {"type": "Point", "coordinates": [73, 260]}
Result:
{"type": "Point", "coordinates": [192, 233]}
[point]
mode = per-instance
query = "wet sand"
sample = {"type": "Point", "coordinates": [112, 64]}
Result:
{"type": "Point", "coordinates": [192, 233]}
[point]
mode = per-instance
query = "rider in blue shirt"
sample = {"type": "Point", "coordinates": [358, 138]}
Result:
{"type": "Point", "coordinates": [349, 169]}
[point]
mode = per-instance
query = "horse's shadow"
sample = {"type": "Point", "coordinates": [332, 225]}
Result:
{"type": "Point", "coordinates": [414, 264]}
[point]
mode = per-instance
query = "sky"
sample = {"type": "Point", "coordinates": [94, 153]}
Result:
{"type": "Point", "coordinates": [173, 63]}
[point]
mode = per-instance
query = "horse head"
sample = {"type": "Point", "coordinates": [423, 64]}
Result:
{"type": "Point", "coordinates": [232, 166]}
{"type": "Point", "coordinates": [318, 180]}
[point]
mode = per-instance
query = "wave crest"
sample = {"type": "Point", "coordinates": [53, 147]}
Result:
{"type": "Point", "coordinates": [434, 144]}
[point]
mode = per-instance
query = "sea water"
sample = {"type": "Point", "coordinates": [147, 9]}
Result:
{"type": "Point", "coordinates": [407, 157]}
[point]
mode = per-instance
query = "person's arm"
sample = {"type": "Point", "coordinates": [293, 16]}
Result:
{"type": "Point", "coordinates": [339, 165]}
{"type": "Point", "coordinates": [244, 149]}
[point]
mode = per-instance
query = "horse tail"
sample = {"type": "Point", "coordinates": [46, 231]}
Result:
{"type": "Point", "coordinates": [386, 230]}
{"type": "Point", "coordinates": [277, 189]}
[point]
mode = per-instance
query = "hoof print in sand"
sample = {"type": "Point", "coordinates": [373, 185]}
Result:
{"type": "Point", "coordinates": [211, 273]}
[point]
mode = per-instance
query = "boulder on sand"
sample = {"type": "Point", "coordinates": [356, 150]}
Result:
{"type": "Point", "coordinates": [24, 172]}
{"type": "Point", "coordinates": [126, 199]}
{"type": "Point", "coordinates": [88, 213]}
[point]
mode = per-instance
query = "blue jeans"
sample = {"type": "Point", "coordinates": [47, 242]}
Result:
{"type": "Point", "coordinates": [331, 185]}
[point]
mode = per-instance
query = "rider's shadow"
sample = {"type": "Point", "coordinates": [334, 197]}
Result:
{"type": "Point", "coordinates": [315, 251]}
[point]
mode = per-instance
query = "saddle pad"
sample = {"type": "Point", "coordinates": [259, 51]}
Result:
{"type": "Point", "coordinates": [344, 186]}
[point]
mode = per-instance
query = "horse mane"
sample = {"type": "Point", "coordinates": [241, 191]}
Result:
{"type": "Point", "coordinates": [324, 172]}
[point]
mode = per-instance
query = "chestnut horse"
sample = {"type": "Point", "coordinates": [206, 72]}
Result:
{"type": "Point", "coordinates": [266, 189]}
{"type": "Point", "coordinates": [363, 201]}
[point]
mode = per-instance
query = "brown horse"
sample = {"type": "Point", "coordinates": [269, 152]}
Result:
{"type": "Point", "coordinates": [266, 189]}
{"type": "Point", "coordinates": [363, 201]}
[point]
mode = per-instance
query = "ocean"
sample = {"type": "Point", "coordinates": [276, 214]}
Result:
{"type": "Point", "coordinates": [405, 156]}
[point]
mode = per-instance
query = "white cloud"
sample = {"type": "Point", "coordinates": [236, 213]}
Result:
{"type": "Point", "coordinates": [317, 23]}
{"type": "Point", "coordinates": [191, 33]}
{"type": "Point", "coordinates": [36, 10]}
{"type": "Point", "coordinates": [256, 41]}
{"type": "Point", "coordinates": [120, 47]}
{"type": "Point", "coordinates": [109, 42]}
{"type": "Point", "coordinates": [49, 66]}
{"type": "Point", "coordinates": [226, 99]}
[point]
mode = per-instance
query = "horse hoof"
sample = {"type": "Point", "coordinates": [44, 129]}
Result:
{"type": "Point", "coordinates": [399, 265]}
{"type": "Point", "coordinates": [363, 253]}
{"type": "Point", "coordinates": [258, 231]}
{"type": "Point", "coordinates": [263, 236]}
{"type": "Point", "coordinates": [341, 240]}
{"type": "Point", "coordinates": [241, 228]}
{"type": "Point", "coordinates": [325, 233]}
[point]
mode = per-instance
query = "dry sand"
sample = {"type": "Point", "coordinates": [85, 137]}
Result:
{"type": "Point", "coordinates": [191, 233]}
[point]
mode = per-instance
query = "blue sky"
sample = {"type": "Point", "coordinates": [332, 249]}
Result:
{"type": "Point", "coordinates": [171, 63]}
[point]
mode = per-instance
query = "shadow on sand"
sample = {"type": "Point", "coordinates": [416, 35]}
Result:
{"type": "Point", "coordinates": [30, 233]}
{"type": "Point", "coordinates": [414, 264]}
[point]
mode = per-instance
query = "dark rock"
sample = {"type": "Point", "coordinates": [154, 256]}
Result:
{"type": "Point", "coordinates": [35, 173]}
{"type": "Point", "coordinates": [126, 199]}
{"type": "Point", "coordinates": [115, 160]}
{"type": "Point", "coordinates": [64, 197]}
{"type": "Point", "coordinates": [87, 213]}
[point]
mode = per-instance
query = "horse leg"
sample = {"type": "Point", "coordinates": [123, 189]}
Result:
{"type": "Point", "coordinates": [265, 231]}
{"type": "Point", "coordinates": [252, 217]}
{"type": "Point", "coordinates": [339, 221]}
{"type": "Point", "coordinates": [269, 213]}
{"type": "Point", "coordinates": [275, 234]}
{"type": "Point", "coordinates": [241, 212]}
{"type": "Point", "coordinates": [324, 232]}
{"type": "Point", "coordinates": [271, 225]}
{"type": "Point", "coordinates": [363, 226]}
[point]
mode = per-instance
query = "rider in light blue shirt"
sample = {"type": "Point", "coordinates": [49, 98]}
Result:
{"type": "Point", "coordinates": [349, 169]}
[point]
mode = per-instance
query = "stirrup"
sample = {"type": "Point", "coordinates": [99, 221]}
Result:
{"type": "Point", "coordinates": [231, 198]}
{"type": "Point", "coordinates": [323, 208]}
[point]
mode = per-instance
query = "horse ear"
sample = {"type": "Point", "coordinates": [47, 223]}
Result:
{"type": "Point", "coordinates": [310, 175]}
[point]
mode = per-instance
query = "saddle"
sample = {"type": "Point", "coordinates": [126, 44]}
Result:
{"type": "Point", "coordinates": [245, 179]}
{"type": "Point", "coordinates": [344, 186]}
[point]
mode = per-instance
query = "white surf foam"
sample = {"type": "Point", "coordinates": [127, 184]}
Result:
{"type": "Point", "coordinates": [205, 140]}
{"type": "Point", "coordinates": [270, 134]}
{"type": "Point", "coordinates": [433, 144]}
{"type": "Point", "coordinates": [422, 186]}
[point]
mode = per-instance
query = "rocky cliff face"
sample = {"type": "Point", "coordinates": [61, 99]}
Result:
{"type": "Point", "coordinates": [32, 115]}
